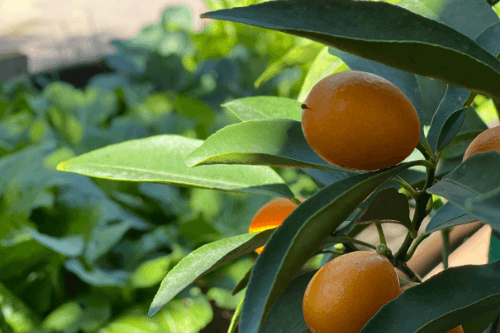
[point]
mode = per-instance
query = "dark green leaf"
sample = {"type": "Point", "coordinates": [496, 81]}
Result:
{"type": "Point", "coordinates": [380, 31]}
{"type": "Point", "coordinates": [447, 216]}
{"type": "Point", "coordinates": [459, 144]}
{"type": "Point", "coordinates": [465, 292]}
{"type": "Point", "coordinates": [297, 239]}
{"type": "Point", "coordinates": [450, 128]}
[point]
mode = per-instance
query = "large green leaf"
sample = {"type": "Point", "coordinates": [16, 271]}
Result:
{"type": "Point", "coordinates": [202, 261]}
{"type": "Point", "coordinates": [297, 239]}
{"type": "Point", "coordinates": [447, 216]}
{"type": "Point", "coordinates": [277, 142]}
{"type": "Point", "coordinates": [474, 187]}
{"type": "Point", "coordinates": [265, 107]}
{"type": "Point", "coordinates": [382, 32]}
{"type": "Point", "coordinates": [161, 159]}
{"type": "Point", "coordinates": [465, 293]}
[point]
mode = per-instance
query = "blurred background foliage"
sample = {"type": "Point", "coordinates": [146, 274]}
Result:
{"type": "Point", "coordinates": [87, 255]}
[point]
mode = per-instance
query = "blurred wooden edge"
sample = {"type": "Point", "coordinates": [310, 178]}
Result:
{"type": "Point", "coordinates": [428, 254]}
{"type": "Point", "coordinates": [473, 252]}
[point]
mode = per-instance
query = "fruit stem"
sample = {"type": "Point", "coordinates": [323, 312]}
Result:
{"type": "Point", "coordinates": [419, 215]}
{"type": "Point", "coordinates": [424, 148]}
{"type": "Point", "coordinates": [411, 251]}
{"type": "Point", "coordinates": [295, 200]}
{"type": "Point", "coordinates": [381, 235]}
{"type": "Point", "coordinates": [236, 316]}
{"type": "Point", "coordinates": [445, 234]}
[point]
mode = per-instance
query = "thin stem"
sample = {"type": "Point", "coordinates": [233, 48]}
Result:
{"type": "Point", "coordinates": [404, 184]}
{"type": "Point", "coordinates": [295, 200]}
{"type": "Point", "coordinates": [445, 235]}
{"type": "Point", "coordinates": [351, 240]}
{"type": "Point", "coordinates": [424, 148]}
{"type": "Point", "coordinates": [418, 217]}
{"type": "Point", "coordinates": [380, 232]}
{"type": "Point", "coordinates": [417, 242]}
{"type": "Point", "coordinates": [236, 316]}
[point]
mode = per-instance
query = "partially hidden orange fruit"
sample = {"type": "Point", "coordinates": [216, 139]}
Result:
{"type": "Point", "coordinates": [346, 292]}
{"type": "Point", "coordinates": [360, 121]}
{"type": "Point", "coordinates": [457, 329]}
{"type": "Point", "coordinates": [487, 140]}
{"type": "Point", "coordinates": [272, 215]}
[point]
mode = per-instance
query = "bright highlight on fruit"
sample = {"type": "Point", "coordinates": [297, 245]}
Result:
{"type": "Point", "coordinates": [272, 215]}
{"type": "Point", "coordinates": [346, 292]}
{"type": "Point", "coordinates": [487, 140]}
{"type": "Point", "coordinates": [360, 121]}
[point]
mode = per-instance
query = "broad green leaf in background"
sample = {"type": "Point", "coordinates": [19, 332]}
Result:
{"type": "Point", "coordinates": [297, 239]}
{"type": "Point", "coordinates": [265, 107]}
{"type": "Point", "coordinates": [296, 56]}
{"type": "Point", "coordinates": [161, 159]}
{"type": "Point", "coordinates": [179, 17]}
{"type": "Point", "coordinates": [71, 246]}
{"type": "Point", "coordinates": [474, 188]}
{"type": "Point", "coordinates": [103, 238]}
{"type": "Point", "coordinates": [379, 31]}
{"type": "Point", "coordinates": [202, 261]}
{"type": "Point", "coordinates": [325, 64]}
{"type": "Point", "coordinates": [447, 216]}
{"type": "Point", "coordinates": [459, 144]}
{"type": "Point", "coordinates": [276, 142]}
{"type": "Point", "coordinates": [97, 276]}
{"type": "Point", "coordinates": [465, 292]}
{"type": "Point", "coordinates": [150, 272]}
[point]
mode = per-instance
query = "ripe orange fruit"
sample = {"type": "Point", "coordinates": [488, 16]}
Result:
{"type": "Point", "coordinates": [272, 215]}
{"type": "Point", "coordinates": [346, 292]}
{"type": "Point", "coordinates": [457, 329]}
{"type": "Point", "coordinates": [360, 121]}
{"type": "Point", "coordinates": [488, 140]}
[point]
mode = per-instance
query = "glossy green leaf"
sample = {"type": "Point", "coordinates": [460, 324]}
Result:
{"type": "Point", "coordinates": [264, 107]}
{"type": "Point", "coordinates": [276, 142]}
{"type": "Point", "coordinates": [286, 315]}
{"type": "Point", "coordinates": [296, 56]}
{"type": "Point", "coordinates": [474, 188]}
{"type": "Point", "coordinates": [380, 31]}
{"type": "Point", "coordinates": [465, 292]}
{"type": "Point", "coordinates": [202, 261]}
{"type": "Point", "coordinates": [447, 216]}
{"type": "Point", "coordinates": [325, 64]}
{"type": "Point", "coordinates": [450, 128]}
{"type": "Point", "coordinates": [161, 159]}
{"type": "Point", "coordinates": [297, 239]}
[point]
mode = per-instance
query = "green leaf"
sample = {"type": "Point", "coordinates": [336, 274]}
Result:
{"type": "Point", "coordinates": [97, 276]}
{"type": "Point", "coordinates": [265, 107]}
{"type": "Point", "coordinates": [161, 159]}
{"type": "Point", "coordinates": [204, 260]}
{"type": "Point", "coordinates": [179, 17]}
{"type": "Point", "coordinates": [473, 188]}
{"type": "Point", "coordinates": [447, 216]}
{"type": "Point", "coordinates": [380, 31]}
{"type": "Point", "coordinates": [324, 65]}
{"type": "Point", "coordinates": [459, 144]}
{"type": "Point", "coordinates": [15, 312]}
{"type": "Point", "coordinates": [103, 238]}
{"type": "Point", "coordinates": [450, 128]}
{"type": "Point", "coordinates": [286, 316]}
{"type": "Point", "coordinates": [465, 293]}
{"type": "Point", "coordinates": [297, 55]}
{"type": "Point", "coordinates": [297, 239]}
{"type": "Point", "coordinates": [276, 142]}
{"type": "Point", "coordinates": [71, 246]}
{"type": "Point", "coordinates": [150, 272]}
{"type": "Point", "coordinates": [63, 316]}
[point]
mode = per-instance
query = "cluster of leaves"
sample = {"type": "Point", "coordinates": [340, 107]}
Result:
{"type": "Point", "coordinates": [436, 58]}
{"type": "Point", "coordinates": [87, 255]}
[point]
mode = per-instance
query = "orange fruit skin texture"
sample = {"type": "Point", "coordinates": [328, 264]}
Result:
{"type": "Point", "coordinates": [272, 215]}
{"type": "Point", "coordinates": [360, 121]}
{"type": "Point", "coordinates": [487, 140]}
{"type": "Point", "coordinates": [346, 292]}
{"type": "Point", "coordinates": [457, 329]}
